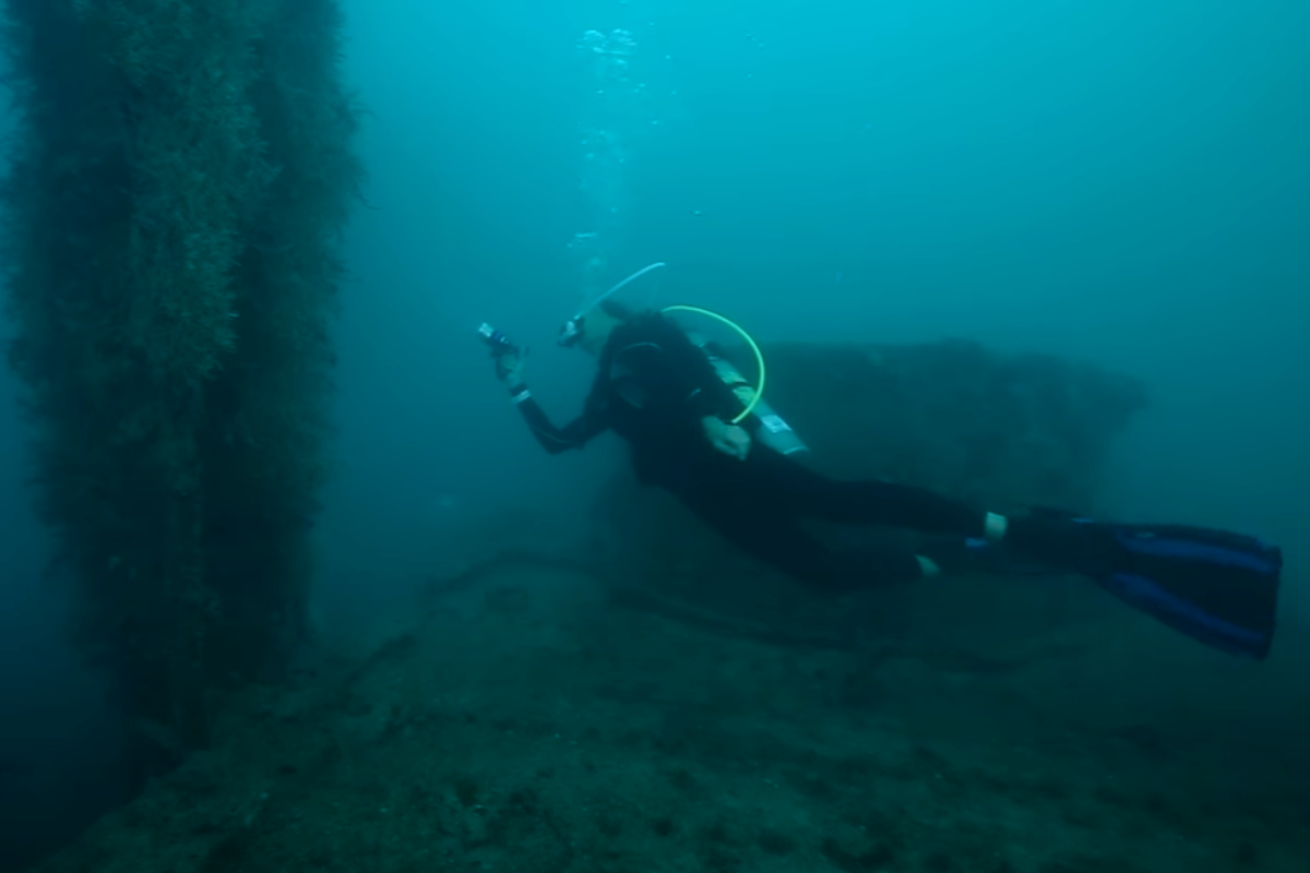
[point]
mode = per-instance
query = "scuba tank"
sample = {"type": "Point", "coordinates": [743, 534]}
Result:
{"type": "Point", "coordinates": [773, 432]}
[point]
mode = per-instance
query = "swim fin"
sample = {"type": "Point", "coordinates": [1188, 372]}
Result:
{"type": "Point", "coordinates": [1217, 587]}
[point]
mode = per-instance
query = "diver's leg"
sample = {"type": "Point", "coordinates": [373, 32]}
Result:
{"type": "Point", "coordinates": [806, 492]}
{"type": "Point", "coordinates": [775, 538]}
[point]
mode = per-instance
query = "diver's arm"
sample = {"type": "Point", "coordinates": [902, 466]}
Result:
{"type": "Point", "coordinates": [574, 435]}
{"type": "Point", "coordinates": [555, 440]}
{"type": "Point", "coordinates": [690, 399]}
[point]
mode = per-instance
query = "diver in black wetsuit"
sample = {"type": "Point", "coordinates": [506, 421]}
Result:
{"type": "Point", "coordinates": [657, 389]}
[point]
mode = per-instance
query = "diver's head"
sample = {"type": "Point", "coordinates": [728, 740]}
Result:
{"type": "Point", "coordinates": [590, 330]}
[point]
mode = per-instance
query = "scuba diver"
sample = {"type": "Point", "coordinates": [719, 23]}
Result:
{"type": "Point", "coordinates": [657, 389]}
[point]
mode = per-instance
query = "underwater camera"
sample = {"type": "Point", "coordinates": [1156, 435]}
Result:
{"type": "Point", "coordinates": [499, 344]}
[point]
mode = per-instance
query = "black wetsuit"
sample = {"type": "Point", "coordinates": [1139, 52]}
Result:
{"type": "Point", "coordinates": [654, 386]}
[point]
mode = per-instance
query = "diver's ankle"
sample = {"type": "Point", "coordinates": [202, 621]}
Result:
{"type": "Point", "coordinates": [928, 566]}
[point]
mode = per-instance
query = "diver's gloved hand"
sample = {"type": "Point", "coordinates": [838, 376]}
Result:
{"type": "Point", "coordinates": [509, 369]}
{"type": "Point", "coordinates": [727, 438]}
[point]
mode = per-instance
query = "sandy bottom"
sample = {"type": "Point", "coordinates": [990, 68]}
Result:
{"type": "Point", "coordinates": [520, 721]}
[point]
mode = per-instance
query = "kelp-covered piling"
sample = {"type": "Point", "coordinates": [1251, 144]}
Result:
{"type": "Point", "coordinates": [179, 177]}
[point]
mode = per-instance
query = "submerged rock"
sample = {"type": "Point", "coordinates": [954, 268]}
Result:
{"type": "Point", "coordinates": [955, 417]}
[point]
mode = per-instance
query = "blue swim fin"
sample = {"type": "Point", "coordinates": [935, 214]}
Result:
{"type": "Point", "coordinates": [1217, 587]}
